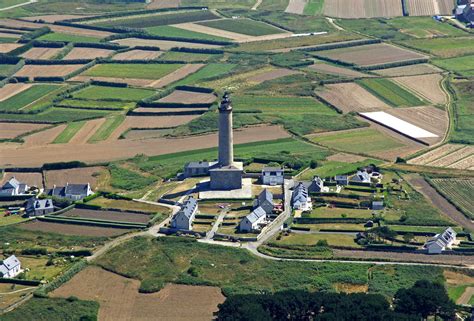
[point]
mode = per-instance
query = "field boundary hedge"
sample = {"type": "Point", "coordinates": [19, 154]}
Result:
{"type": "Point", "coordinates": [342, 44]}
{"type": "Point", "coordinates": [91, 222]}
{"type": "Point", "coordinates": [144, 35]}
{"type": "Point", "coordinates": [63, 278]}
{"type": "Point", "coordinates": [393, 64]}
{"type": "Point", "coordinates": [20, 281]}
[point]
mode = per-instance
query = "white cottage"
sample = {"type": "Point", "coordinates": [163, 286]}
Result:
{"type": "Point", "coordinates": [183, 220]}
{"type": "Point", "coordinates": [253, 221]}
{"type": "Point", "coordinates": [272, 176]}
{"type": "Point", "coordinates": [10, 267]}
{"type": "Point", "coordinates": [440, 242]}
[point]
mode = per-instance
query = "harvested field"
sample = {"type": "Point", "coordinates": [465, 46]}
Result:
{"type": "Point", "coordinates": [43, 137]}
{"type": "Point", "coordinates": [421, 7]}
{"type": "Point", "coordinates": [7, 47]}
{"type": "Point", "coordinates": [458, 192]}
{"type": "Point", "coordinates": [119, 298]}
{"type": "Point", "coordinates": [346, 158]}
{"type": "Point", "coordinates": [79, 31]}
{"type": "Point", "coordinates": [213, 31]}
{"type": "Point", "coordinates": [55, 17]}
{"type": "Point", "coordinates": [123, 148]}
{"type": "Point", "coordinates": [162, 111]}
{"type": "Point", "coordinates": [188, 97]}
{"type": "Point", "coordinates": [445, 7]}
{"type": "Point", "coordinates": [41, 53]}
{"type": "Point", "coordinates": [162, 44]}
{"type": "Point", "coordinates": [10, 90]}
{"type": "Point", "coordinates": [351, 97]}
{"type": "Point", "coordinates": [86, 132]}
{"type": "Point", "coordinates": [131, 81]}
{"type": "Point", "coordinates": [146, 133]}
{"type": "Point", "coordinates": [87, 53]}
{"type": "Point", "coordinates": [108, 215]}
{"type": "Point", "coordinates": [426, 86]}
{"type": "Point", "coordinates": [31, 179]}
{"type": "Point", "coordinates": [9, 35]}
{"type": "Point", "coordinates": [176, 75]}
{"type": "Point", "coordinates": [369, 55]}
{"type": "Point", "coordinates": [434, 154]}
{"type": "Point", "coordinates": [160, 4]}
{"type": "Point", "coordinates": [81, 175]}
{"type": "Point", "coordinates": [296, 6]}
{"type": "Point", "coordinates": [465, 163]}
{"type": "Point", "coordinates": [12, 130]}
{"type": "Point", "coordinates": [70, 229]}
{"type": "Point", "coordinates": [338, 71]}
{"type": "Point", "coordinates": [455, 157]}
{"type": "Point", "coordinates": [137, 54]}
{"type": "Point", "coordinates": [419, 69]}
{"type": "Point", "coordinates": [272, 74]}
{"type": "Point", "coordinates": [363, 8]}
{"type": "Point", "coordinates": [47, 70]}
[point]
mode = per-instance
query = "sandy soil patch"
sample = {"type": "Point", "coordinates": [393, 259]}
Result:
{"type": "Point", "coordinates": [119, 298]}
{"type": "Point", "coordinates": [41, 53]}
{"type": "Point", "coordinates": [86, 132]}
{"type": "Point", "coordinates": [70, 229]}
{"type": "Point", "coordinates": [108, 215]}
{"type": "Point", "coordinates": [363, 8]}
{"type": "Point", "coordinates": [43, 137]}
{"type": "Point", "coordinates": [30, 179]}
{"type": "Point", "coordinates": [123, 148]}
{"type": "Point", "coordinates": [162, 44]}
{"type": "Point", "coordinates": [213, 31]}
{"type": "Point", "coordinates": [10, 90]}
{"type": "Point", "coordinates": [426, 86]}
{"type": "Point", "coordinates": [47, 70]}
{"type": "Point", "coordinates": [160, 4]}
{"type": "Point", "coordinates": [55, 17]}
{"type": "Point", "coordinates": [272, 74]}
{"type": "Point", "coordinates": [88, 53]}
{"type": "Point", "coordinates": [131, 81]}
{"type": "Point", "coordinates": [338, 71]}
{"type": "Point", "coordinates": [351, 97]}
{"type": "Point", "coordinates": [419, 69]}
{"type": "Point", "coordinates": [296, 6]}
{"type": "Point", "coordinates": [12, 130]}
{"type": "Point", "coordinates": [346, 158]}
{"type": "Point", "coordinates": [188, 97]}
{"type": "Point", "coordinates": [137, 54]}
{"type": "Point", "coordinates": [82, 175]}
{"type": "Point", "coordinates": [7, 47]}
{"type": "Point", "coordinates": [176, 75]}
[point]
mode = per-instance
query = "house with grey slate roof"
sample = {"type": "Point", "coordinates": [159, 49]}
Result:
{"type": "Point", "coordinates": [194, 169]}
{"type": "Point", "coordinates": [316, 186]}
{"type": "Point", "coordinates": [37, 207]}
{"type": "Point", "coordinates": [253, 221]}
{"type": "Point", "coordinates": [441, 242]}
{"type": "Point", "coordinates": [272, 176]}
{"type": "Point", "coordinates": [342, 180]}
{"type": "Point", "coordinates": [184, 218]}
{"type": "Point", "coordinates": [13, 188]}
{"type": "Point", "coordinates": [361, 177]}
{"type": "Point", "coordinates": [265, 201]}
{"type": "Point", "coordinates": [300, 199]}
{"type": "Point", "coordinates": [74, 192]}
{"type": "Point", "coordinates": [10, 267]}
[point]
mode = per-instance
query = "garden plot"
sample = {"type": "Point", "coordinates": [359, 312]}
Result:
{"type": "Point", "coordinates": [188, 97]}
{"type": "Point", "coordinates": [400, 126]}
{"type": "Point", "coordinates": [351, 97]}
{"type": "Point", "coordinates": [71, 229]}
{"type": "Point", "coordinates": [116, 216]}
{"type": "Point", "coordinates": [137, 54]}
{"type": "Point", "coordinates": [10, 90]}
{"type": "Point", "coordinates": [12, 130]}
{"type": "Point", "coordinates": [162, 44]}
{"type": "Point", "coordinates": [28, 178]}
{"type": "Point", "coordinates": [371, 55]}
{"type": "Point", "coordinates": [32, 71]}
{"type": "Point", "coordinates": [296, 6]}
{"type": "Point", "coordinates": [87, 53]}
{"type": "Point", "coordinates": [412, 70]}
{"type": "Point", "coordinates": [7, 47]}
{"type": "Point", "coordinates": [426, 86]}
{"type": "Point", "coordinates": [335, 70]}
{"type": "Point", "coordinates": [81, 175]}
{"type": "Point", "coordinates": [363, 8]}
{"type": "Point", "coordinates": [41, 53]}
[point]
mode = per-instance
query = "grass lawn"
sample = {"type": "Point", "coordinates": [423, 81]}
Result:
{"type": "Point", "coordinates": [38, 268]}
{"type": "Point", "coordinates": [463, 65]}
{"type": "Point", "coordinates": [210, 71]}
{"type": "Point", "coordinates": [26, 97]}
{"type": "Point", "coordinates": [443, 47]}
{"type": "Point", "coordinates": [66, 37]}
{"type": "Point", "coordinates": [106, 92]}
{"type": "Point", "coordinates": [57, 115]}
{"type": "Point", "coordinates": [391, 93]}
{"type": "Point", "coordinates": [366, 140]}
{"type": "Point", "coordinates": [339, 212]}
{"type": "Point", "coordinates": [333, 168]}
{"type": "Point", "coordinates": [128, 205]}
{"type": "Point", "coordinates": [68, 132]}
{"type": "Point", "coordinates": [243, 26]}
{"type": "Point", "coordinates": [107, 128]}
{"type": "Point", "coordinates": [312, 239]}
{"type": "Point", "coordinates": [140, 71]}
{"type": "Point", "coordinates": [314, 7]}
{"type": "Point", "coordinates": [6, 69]}
{"type": "Point", "coordinates": [170, 31]}
{"type": "Point", "coordinates": [12, 219]}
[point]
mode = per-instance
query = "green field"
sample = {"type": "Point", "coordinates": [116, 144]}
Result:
{"type": "Point", "coordinates": [26, 97]}
{"type": "Point", "coordinates": [95, 104]}
{"type": "Point", "coordinates": [186, 56]}
{"type": "Point", "coordinates": [333, 168]}
{"type": "Point", "coordinates": [209, 71]}
{"type": "Point", "coordinates": [365, 141]}
{"type": "Point", "coordinates": [219, 3]}
{"type": "Point", "coordinates": [140, 71]}
{"type": "Point", "coordinates": [391, 93]}
{"type": "Point", "coordinates": [443, 47]}
{"type": "Point", "coordinates": [464, 112]}
{"type": "Point", "coordinates": [463, 65]}
{"type": "Point", "coordinates": [107, 128]}
{"type": "Point", "coordinates": [314, 7]}
{"type": "Point", "coordinates": [7, 40]}
{"type": "Point", "coordinates": [66, 37]}
{"type": "Point", "coordinates": [170, 31]}
{"type": "Point", "coordinates": [312, 239]}
{"type": "Point", "coordinates": [9, 3]}
{"type": "Point", "coordinates": [57, 115]}
{"type": "Point", "coordinates": [458, 191]}
{"type": "Point", "coordinates": [68, 132]}
{"type": "Point", "coordinates": [243, 26]}
{"type": "Point", "coordinates": [118, 93]}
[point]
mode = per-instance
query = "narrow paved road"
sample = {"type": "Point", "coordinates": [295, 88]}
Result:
{"type": "Point", "coordinates": [219, 220]}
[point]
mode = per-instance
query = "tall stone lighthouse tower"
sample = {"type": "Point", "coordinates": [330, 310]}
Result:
{"type": "Point", "coordinates": [226, 138]}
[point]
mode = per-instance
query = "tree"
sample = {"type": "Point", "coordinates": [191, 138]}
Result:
{"type": "Point", "coordinates": [426, 299]}
{"type": "Point", "coordinates": [408, 237]}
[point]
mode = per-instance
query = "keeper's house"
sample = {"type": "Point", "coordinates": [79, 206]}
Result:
{"type": "Point", "coordinates": [10, 267]}
{"type": "Point", "coordinates": [272, 176]}
{"type": "Point", "coordinates": [183, 220]}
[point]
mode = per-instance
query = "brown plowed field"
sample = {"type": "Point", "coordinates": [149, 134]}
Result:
{"type": "Point", "coordinates": [43, 137]}
{"type": "Point", "coordinates": [9, 35]}
{"type": "Point", "coordinates": [124, 148]}
{"type": "Point", "coordinates": [162, 44]}
{"type": "Point", "coordinates": [137, 54]}
{"type": "Point", "coordinates": [19, 24]}
{"type": "Point", "coordinates": [374, 54]}
{"type": "Point", "coordinates": [70, 229]}
{"type": "Point", "coordinates": [363, 8]}
{"type": "Point", "coordinates": [334, 70]}
{"type": "Point", "coordinates": [79, 31]}
{"type": "Point", "coordinates": [119, 298]}
{"type": "Point", "coordinates": [130, 81]}
{"type": "Point", "coordinates": [41, 53]}
{"type": "Point", "coordinates": [272, 74]}
{"type": "Point", "coordinates": [56, 17]}
{"type": "Point", "coordinates": [86, 132]}
{"type": "Point", "coordinates": [46, 70]}
{"type": "Point", "coordinates": [188, 97]}
{"type": "Point", "coordinates": [81, 175]}
{"type": "Point", "coordinates": [10, 90]}
{"type": "Point", "coordinates": [419, 69]}
{"type": "Point", "coordinates": [296, 6]}
{"type": "Point", "coordinates": [426, 86]}
{"type": "Point", "coordinates": [30, 179]}
{"type": "Point", "coordinates": [108, 215]}
{"type": "Point", "coordinates": [351, 97]}
{"type": "Point", "coordinates": [422, 7]}
{"type": "Point", "coordinates": [176, 75]}
{"type": "Point", "coordinates": [12, 130]}
{"type": "Point", "coordinates": [160, 4]}
{"type": "Point", "coordinates": [453, 157]}
{"type": "Point", "coordinates": [87, 53]}
{"type": "Point", "coordinates": [7, 47]}
{"type": "Point", "coordinates": [435, 154]}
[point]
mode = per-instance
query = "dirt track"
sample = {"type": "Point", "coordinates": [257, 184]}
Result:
{"type": "Point", "coordinates": [104, 151]}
